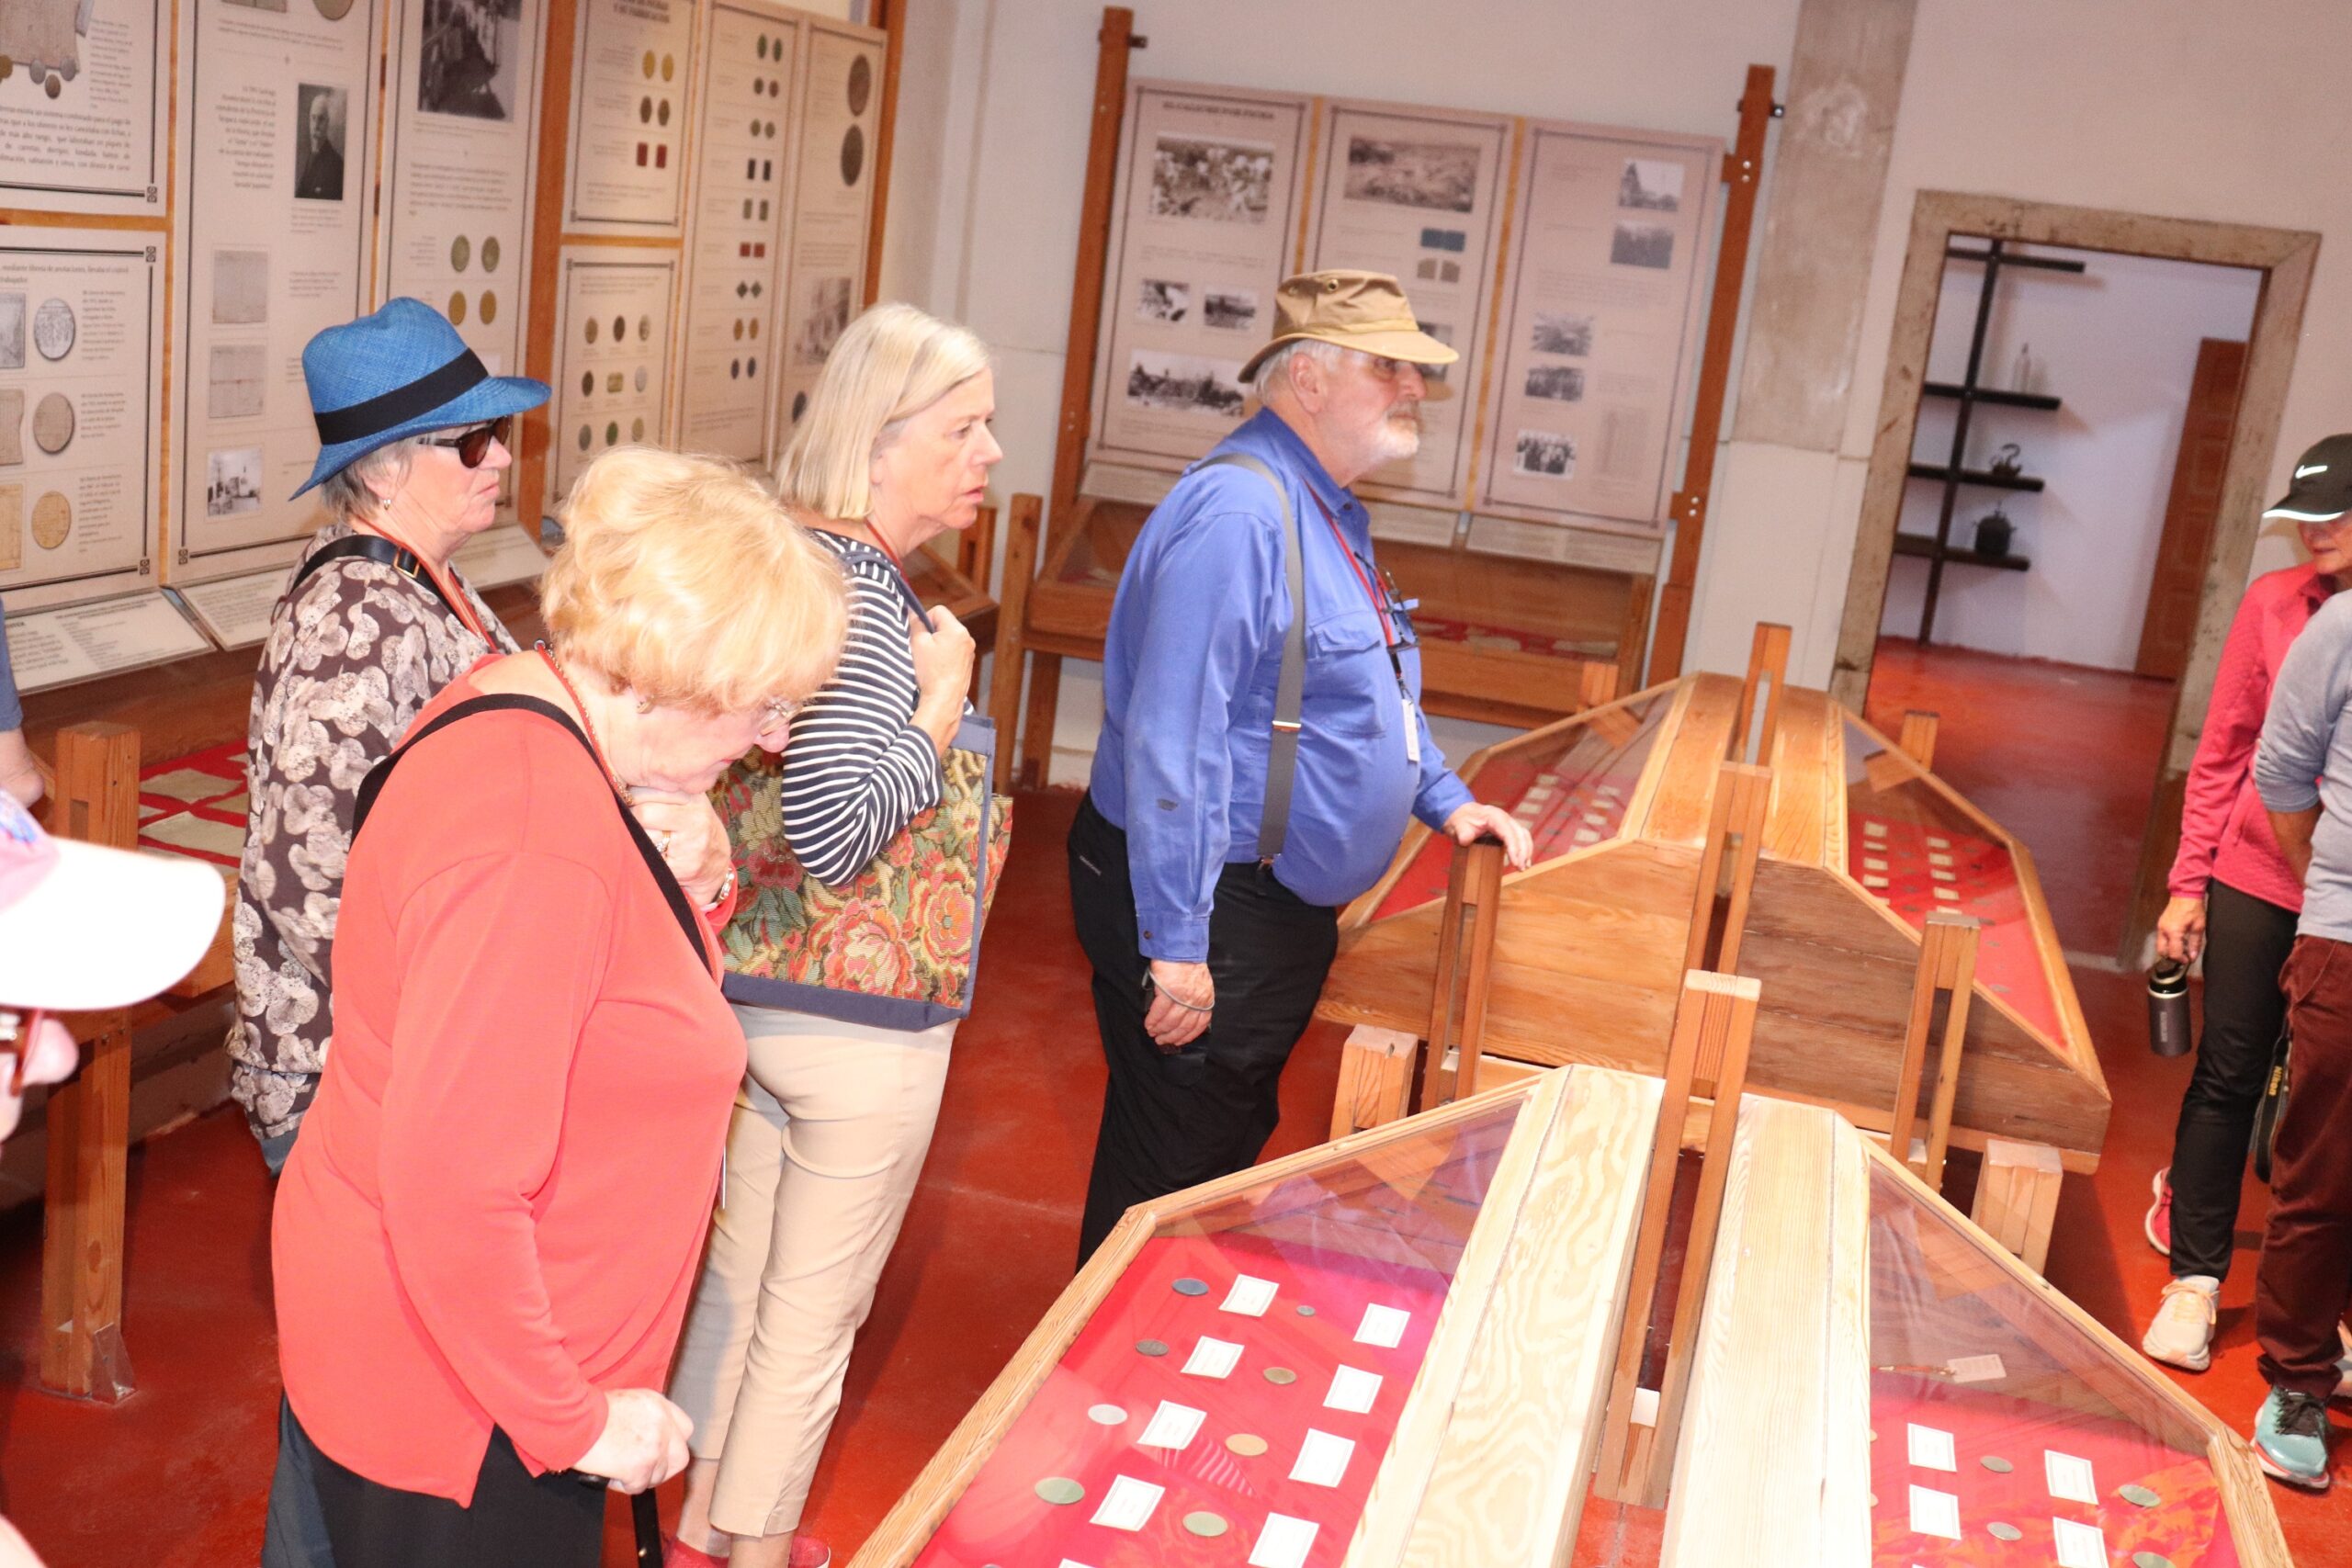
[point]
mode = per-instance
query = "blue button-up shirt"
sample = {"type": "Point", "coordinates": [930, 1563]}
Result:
{"type": "Point", "coordinates": [1188, 669]}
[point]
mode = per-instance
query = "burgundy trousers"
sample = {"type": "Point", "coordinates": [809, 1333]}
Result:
{"type": "Point", "coordinates": [2305, 1280]}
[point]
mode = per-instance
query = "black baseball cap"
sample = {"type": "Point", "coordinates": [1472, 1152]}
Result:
{"type": "Point", "coordinates": [2321, 491]}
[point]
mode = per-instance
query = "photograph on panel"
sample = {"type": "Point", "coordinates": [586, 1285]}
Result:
{"type": "Point", "coordinates": [469, 64]}
{"type": "Point", "coordinates": [1440, 175]}
{"type": "Point", "coordinates": [1226, 182]}
{"type": "Point", "coordinates": [1184, 383]}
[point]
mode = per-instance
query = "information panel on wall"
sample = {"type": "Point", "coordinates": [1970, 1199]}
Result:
{"type": "Point", "coordinates": [837, 128]}
{"type": "Point", "coordinates": [612, 352]}
{"type": "Point", "coordinates": [1418, 194]}
{"type": "Point", "coordinates": [1600, 325]}
{"type": "Point", "coordinates": [1205, 226]}
{"type": "Point", "coordinates": [82, 119]}
{"type": "Point", "coordinates": [278, 171]}
{"type": "Point", "coordinates": [728, 361]}
{"type": "Point", "coordinates": [81, 403]}
{"type": "Point", "coordinates": [631, 66]}
{"type": "Point", "coordinates": [460, 135]}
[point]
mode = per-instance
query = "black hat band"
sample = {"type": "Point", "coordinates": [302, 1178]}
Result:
{"type": "Point", "coordinates": [399, 405]}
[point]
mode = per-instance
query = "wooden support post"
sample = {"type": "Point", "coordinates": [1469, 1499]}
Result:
{"type": "Point", "coordinates": [890, 15]}
{"type": "Point", "coordinates": [1011, 616]}
{"type": "Point", "coordinates": [1768, 674]}
{"type": "Point", "coordinates": [1597, 685]}
{"type": "Point", "coordinates": [975, 554]}
{"type": "Point", "coordinates": [1713, 1025]}
{"type": "Point", "coordinates": [1743, 172]}
{"type": "Point", "coordinates": [82, 1351]}
{"type": "Point", "coordinates": [1727, 867]}
{"type": "Point", "coordinates": [1112, 44]}
{"type": "Point", "coordinates": [1465, 951]}
{"type": "Point", "coordinates": [2017, 1198]}
{"type": "Point", "coordinates": [1037, 721]}
{"type": "Point", "coordinates": [1375, 1079]}
{"type": "Point", "coordinates": [1917, 739]}
{"type": "Point", "coordinates": [1947, 972]}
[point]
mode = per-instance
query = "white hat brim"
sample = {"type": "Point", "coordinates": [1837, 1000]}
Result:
{"type": "Point", "coordinates": [107, 927]}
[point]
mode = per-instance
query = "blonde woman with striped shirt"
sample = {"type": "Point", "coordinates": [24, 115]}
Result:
{"type": "Point", "coordinates": [834, 1118]}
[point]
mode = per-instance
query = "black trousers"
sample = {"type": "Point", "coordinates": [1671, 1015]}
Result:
{"type": "Point", "coordinates": [517, 1520]}
{"type": "Point", "coordinates": [1172, 1120]}
{"type": "Point", "coordinates": [2246, 943]}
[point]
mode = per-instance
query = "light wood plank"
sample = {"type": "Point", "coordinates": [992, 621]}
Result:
{"type": "Point", "coordinates": [1376, 1078]}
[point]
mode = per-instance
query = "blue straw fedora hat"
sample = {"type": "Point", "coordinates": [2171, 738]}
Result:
{"type": "Point", "coordinates": [400, 372]}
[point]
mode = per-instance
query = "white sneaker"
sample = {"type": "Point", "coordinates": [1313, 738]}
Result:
{"type": "Point", "coordinates": [2183, 1331]}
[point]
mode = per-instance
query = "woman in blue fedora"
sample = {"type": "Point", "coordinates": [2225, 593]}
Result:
{"type": "Point", "coordinates": [415, 433]}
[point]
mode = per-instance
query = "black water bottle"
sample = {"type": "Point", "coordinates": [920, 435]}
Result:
{"type": "Point", "coordinates": [2168, 1009]}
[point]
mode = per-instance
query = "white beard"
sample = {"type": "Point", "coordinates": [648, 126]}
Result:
{"type": "Point", "coordinates": [1394, 442]}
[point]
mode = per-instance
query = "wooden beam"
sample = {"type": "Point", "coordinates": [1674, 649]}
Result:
{"type": "Point", "coordinates": [1947, 973]}
{"type": "Point", "coordinates": [2017, 1198]}
{"type": "Point", "coordinates": [1376, 1078]}
{"type": "Point", "coordinates": [1917, 737]}
{"type": "Point", "coordinates": [535, 457]}
{"type": "Point", "coordinates": [1712, 1027]}
{"type": "Point", "coordinates": [890, 15]}
{"type": "Point", "coordinates": [1743, 172]}
{"type": "Point", "coordinates": [1113, 42]}
{"type": "Point", "coordinates": [1768, 674]}
{"type": "Point", "coordinates": [1465, 953]}
{"type": "Point", "coordinates": [1012, 616]}
{"type": "Point", "coordinates": [82, 1351]}
{"type": "Point", "coordinates": [1727, 867]}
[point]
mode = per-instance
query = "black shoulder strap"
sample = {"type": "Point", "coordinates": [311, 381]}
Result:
{"type": "Point", "coordinates": [374, 548]}
{"type": "Point", "coordinates": [373, 785]}
{"type": "Point", "coordinates": [1282, 749]}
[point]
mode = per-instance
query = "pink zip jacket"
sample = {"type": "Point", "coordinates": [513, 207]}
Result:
{"type": "Point", "coordinates": [2225, 833]}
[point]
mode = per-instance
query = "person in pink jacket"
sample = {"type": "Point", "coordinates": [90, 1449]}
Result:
{"type": "Point", "coordinates": [2234, 901]}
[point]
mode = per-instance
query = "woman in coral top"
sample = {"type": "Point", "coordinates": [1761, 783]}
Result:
{"type": "Point", "coordinates": [487, 1234]}
{"type": "Point", "coordinates": [2234, 901]}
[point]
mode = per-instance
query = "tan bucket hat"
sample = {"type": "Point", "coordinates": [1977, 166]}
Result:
{"type": "Point", "coordinates": [1363, 311]}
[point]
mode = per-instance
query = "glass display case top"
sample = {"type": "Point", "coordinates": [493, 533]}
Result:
{"type": "Point", "coordinates": [1571, 787]}
{"type": "Point", "coordinates": [1233, 1395]}
{"type": "Point", "coordinates": [1916, 851]}
{"type": "Point", "coordinates": [2003, 1432]}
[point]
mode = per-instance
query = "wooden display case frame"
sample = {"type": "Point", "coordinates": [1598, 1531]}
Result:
{"type": "Point", "coordinates": [1544, 1271]}
{"type": "Point", "coordinates": [1792, 1273]}
{"type": "Point", "coordinates": [1591, 945]}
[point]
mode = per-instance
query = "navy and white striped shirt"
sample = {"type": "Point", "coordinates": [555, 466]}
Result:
{"type": "Point", "coordinates": [856, 771]}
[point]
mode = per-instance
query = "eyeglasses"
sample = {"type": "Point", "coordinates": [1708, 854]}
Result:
{"type": "Point", "coordinates": [472, 444]}
{"type": "Point", "coordinates": [777, 711]}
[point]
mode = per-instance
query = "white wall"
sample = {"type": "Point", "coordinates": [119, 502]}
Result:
{"type": "Point", "coordinates": [2117, 343]}
{"type": "Point", "coordinates": [2173, 108]}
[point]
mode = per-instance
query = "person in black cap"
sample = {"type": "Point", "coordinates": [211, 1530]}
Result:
{"type": "Point", "coordinates": [2303, 768]}
{"type": "Point", "coordinates": [2234, 902]}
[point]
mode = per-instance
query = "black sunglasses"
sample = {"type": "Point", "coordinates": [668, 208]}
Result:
{"type": "Point", "coordinates": [473, 445]}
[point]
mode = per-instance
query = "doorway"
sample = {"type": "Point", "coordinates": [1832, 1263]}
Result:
{"type": "Point", "coordinates": [2079, 416]}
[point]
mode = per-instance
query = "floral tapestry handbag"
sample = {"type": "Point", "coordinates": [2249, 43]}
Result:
{"type": "Point", "coordinates": [897, 946]}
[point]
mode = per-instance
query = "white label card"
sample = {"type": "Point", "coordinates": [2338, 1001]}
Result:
{"type": "Point", "coordinates": [1383, 1325]}
{"type": "Point", "coordinates": [1250, 1296]}
{"type": "Point", "coordinates": [1976, 1369]}
{"type": "Point", "coordinates": [1172, 1426]}
{"type": "Point", "coordinates": [1128, 1504]}
{"type": "Point", "coordinates": [1072, 1562]}
{"type": "Point", "coordinates": [1931, 1449]}
{"type": "Point", "coordinates": [1283, 1543]}
{"type": "Point", "coordinates": [1322, 1459]}
{"type": "Point", "coordinates": [1352, 1389]}
{"type": "Point", "coordinates": [2079, 1545]}
{"type": "Point", "coordinates": [1213, 1359]}
{"type": "Point", "coordinates": [1935, 1513]}
{"type": "Point", "coordinates": [2069, 1477]}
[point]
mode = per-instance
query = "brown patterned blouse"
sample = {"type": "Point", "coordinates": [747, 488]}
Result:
{"type": "Point", "coordinates": [349, 661]}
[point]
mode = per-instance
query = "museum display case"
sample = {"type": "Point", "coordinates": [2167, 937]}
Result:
{"type": "Point", "coordinates": [1860, 845]}
{"type": "Point", "coordinates": [1322, 1361]}
{"type": "Point", "coordinates": [1943, 1404]}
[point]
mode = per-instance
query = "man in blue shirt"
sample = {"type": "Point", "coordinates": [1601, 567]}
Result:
{"type": "Point", "coordinates": [1208, 959]}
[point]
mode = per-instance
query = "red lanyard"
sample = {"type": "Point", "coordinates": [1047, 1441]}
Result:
{"type": "Point", "coordinates": [1387, 630]}
{"type": "Point", "coordinates": [456, 599]}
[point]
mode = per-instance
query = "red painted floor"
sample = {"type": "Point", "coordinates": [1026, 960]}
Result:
{"type": "Point", "coordinates": [175, 1476]}
{"type": "Point", "coordinates": [2062, 756]}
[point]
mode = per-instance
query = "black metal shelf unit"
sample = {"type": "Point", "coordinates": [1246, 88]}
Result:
{"type": "Point", "coordinates": [1953, 474]}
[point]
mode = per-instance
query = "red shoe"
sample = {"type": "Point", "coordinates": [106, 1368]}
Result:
{"type": "Point", "coordinates": [2157, 1226]}
{"type": "Point", "coordinates": [808, 1551]}
{"type": "Point", "coordinates": [676, 1553]}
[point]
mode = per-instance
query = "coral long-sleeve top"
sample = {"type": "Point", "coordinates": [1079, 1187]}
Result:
{"type": "Point", "coordinates": [495, 1212]}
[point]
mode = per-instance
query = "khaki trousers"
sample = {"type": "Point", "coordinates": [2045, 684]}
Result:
{"type": "Point", "coordinates": [828, 1137]}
